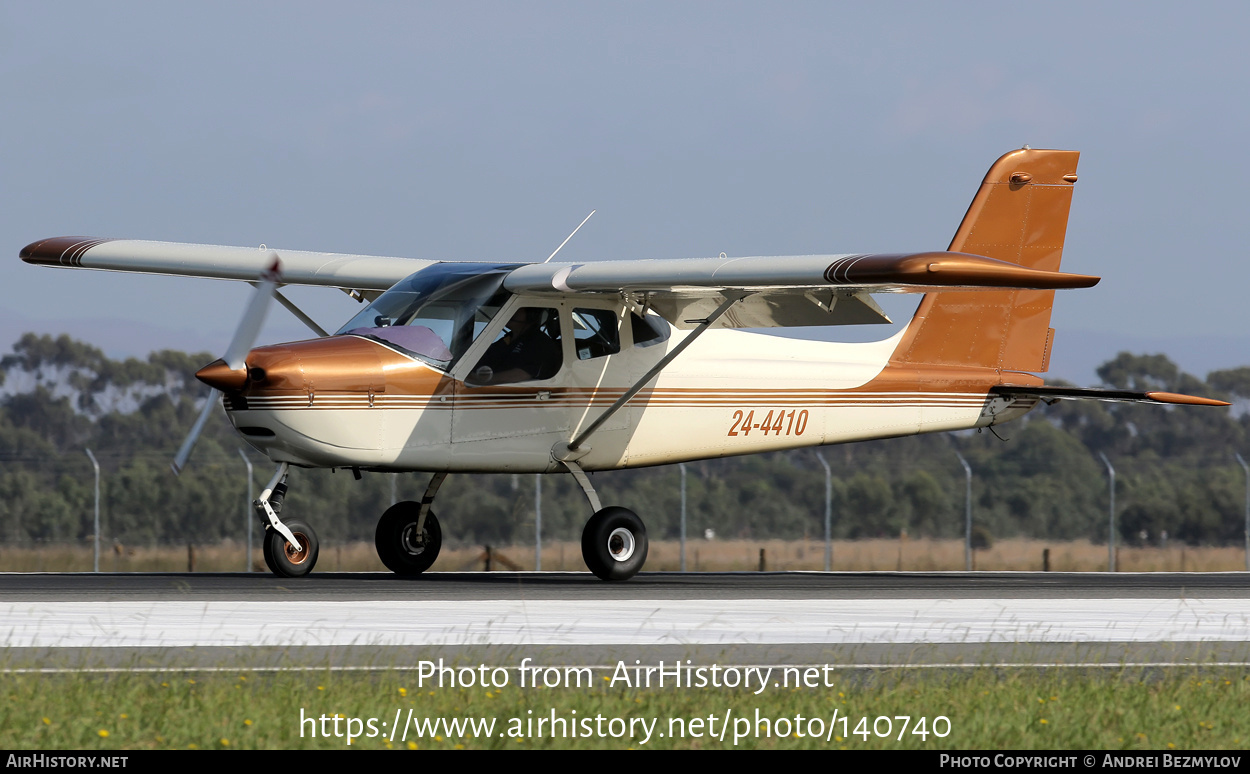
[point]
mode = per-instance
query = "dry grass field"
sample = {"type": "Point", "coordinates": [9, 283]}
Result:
{"type": "Point", "coordinates": [701, 555]}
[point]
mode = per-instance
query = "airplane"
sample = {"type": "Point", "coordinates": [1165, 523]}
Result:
{"type": "Point", "coordinates": [529, 367]}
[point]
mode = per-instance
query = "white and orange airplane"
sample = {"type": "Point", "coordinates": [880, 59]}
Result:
{"type": "Point", "coordinates": [560, 367]}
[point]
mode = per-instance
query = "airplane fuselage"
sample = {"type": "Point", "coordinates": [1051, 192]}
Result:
{"type": "Point", "coordinates": [350, 401]}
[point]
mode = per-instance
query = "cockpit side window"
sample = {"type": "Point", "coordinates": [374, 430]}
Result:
{"type": "Point", "coordinates": [528, 349]}
{"type": "Point", "coordinates": [651, 330]}
{"type": "Point", "coordinates": [596, 333]}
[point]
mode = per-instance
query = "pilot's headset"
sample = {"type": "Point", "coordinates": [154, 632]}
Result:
{"type": "Point", "coordinates": [549, 323]}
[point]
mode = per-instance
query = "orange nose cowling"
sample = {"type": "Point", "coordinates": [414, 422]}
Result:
{"type": "Point", "coordinates": [220, 376]}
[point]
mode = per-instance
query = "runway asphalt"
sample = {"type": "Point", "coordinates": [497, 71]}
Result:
{"type": "Point", "coordinates": [15, 587]}
{"type": "Point", "coordinates": [854, 620]}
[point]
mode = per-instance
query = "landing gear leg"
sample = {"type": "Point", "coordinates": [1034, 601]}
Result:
{"type": "Point", "coordinates": [408, 537]}
{"type": "Point", "coordinates": [614, 540]}
{"type": "Point", "coordinates": [290, 548]}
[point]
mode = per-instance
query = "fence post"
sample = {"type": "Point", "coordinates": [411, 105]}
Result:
{"type": "Point", "coordinates": [538, 521]}
{"type": "Point", "coordinates": [95, 562]}
{"type": "Point", "coordinates": [682, 467]}
{"type": "Point", "coordinates": [247, 511]}
{"type": "Point", "coordinates": [828, 512]}
{"type": "Point", "coordinates": [967, 512]}
{"type": "Point", "coordinates": [1110, 516]}
{"type": "Point", "coordinates": [1246, 468]}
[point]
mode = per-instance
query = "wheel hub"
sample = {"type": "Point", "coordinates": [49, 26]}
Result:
{"type": "Point", "coordinates": [621, 544]}
{"type": "Point", "coordinates": [293, 556]}
{"type": "Point", "coordinates": [412, 541]}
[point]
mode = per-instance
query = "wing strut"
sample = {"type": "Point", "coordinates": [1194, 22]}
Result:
{"type": "Point", "coordinates": [564, 452]}
{"type": "Point", "coordinates": [295, 310]}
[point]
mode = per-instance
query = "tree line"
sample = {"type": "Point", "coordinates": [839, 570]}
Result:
{"type": "Point", "coordinates": [1038, 477]}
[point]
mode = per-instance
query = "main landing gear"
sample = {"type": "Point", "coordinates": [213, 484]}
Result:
{"type": "Point", "coordinates": [614, 544]}
{"type": "Point", "coordinates": [614, 540]}
{"type": "Point", "coordinates": [408, 537]}
{"type": "Point", "coordinates": [290, 547]}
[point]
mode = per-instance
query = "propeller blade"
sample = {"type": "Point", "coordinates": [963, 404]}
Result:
{"type": "Point", "coordinates": [236, 354]}
{"type": "Point", "coordinates": [253, 317]}
{"type": "Point", "coordinates": [180, 459]}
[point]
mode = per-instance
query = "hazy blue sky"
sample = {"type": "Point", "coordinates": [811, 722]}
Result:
{"type": "Point", "coordinates": [488, 130]}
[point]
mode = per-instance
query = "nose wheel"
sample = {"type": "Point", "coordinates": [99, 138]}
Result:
{"type": "Point", "coordinates": [403, 548]}
{"type": "Point", "coordinates": [284, 559]}
{"type": "Point", "coordinates": [614, 544]}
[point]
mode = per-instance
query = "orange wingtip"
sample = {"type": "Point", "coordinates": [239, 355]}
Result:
{"type": "Point", "coordinates": [1188, 400]}
{"type": "Point", "coordinates": [957, 270]}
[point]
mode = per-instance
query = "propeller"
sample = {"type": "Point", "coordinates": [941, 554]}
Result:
{"type": "Point", "coordinates": [236, 353]}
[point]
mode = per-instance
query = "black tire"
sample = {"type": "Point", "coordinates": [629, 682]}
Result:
{"type": "Point", "coordinates": [264, 549]}
{"type": "Point", "coordinates": [396, 544]}
{"type": "Point", "coordinates": [614, 544]}
{"type": "Point", "coordinates": [285, 562]}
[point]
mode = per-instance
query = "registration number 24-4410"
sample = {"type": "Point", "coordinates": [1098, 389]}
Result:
{"type": "Point", "coordinates": [774, 423]}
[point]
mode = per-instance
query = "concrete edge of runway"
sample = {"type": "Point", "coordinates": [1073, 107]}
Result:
{"type": "Point", "coordinates": [1087, 655]}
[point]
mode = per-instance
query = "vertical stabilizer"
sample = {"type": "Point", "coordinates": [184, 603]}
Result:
{"type": "Point", "coordinates": [1020, 215]}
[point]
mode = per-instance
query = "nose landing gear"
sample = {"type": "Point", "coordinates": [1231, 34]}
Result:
{"type": "Point", "coordinates": [283, 558]}
{"type": "Point", "coordinates": [290, 548]}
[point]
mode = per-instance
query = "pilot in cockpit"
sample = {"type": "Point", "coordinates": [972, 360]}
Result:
{"type": "Point", "coordinates": [529, 350]}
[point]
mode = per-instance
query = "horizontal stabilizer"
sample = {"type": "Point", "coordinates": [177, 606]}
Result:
{"type": "Point", "coordinates": [1051, 394]}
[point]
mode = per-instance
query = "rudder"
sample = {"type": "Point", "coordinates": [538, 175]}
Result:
{"type": "Point", "coordinates": [1019, 215]}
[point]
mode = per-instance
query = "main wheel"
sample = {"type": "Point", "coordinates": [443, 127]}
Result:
{"type": "Point", "coordinates": [614, 544]}
{"type": "Point", "coordinates": [281, 557]}
{"type": "Point", "coordinates": [398, 545]}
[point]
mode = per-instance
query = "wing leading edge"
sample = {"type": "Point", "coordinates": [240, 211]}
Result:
{"type": "Point", "coordinates": [350, 272]}
{"type": "Point", "coordinates": [901, 272]}
{"type": "Point", "coordinates": [783, 291]}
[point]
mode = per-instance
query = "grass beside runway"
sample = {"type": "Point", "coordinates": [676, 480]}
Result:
{"type": "Point", "coordinates": [988, 708]}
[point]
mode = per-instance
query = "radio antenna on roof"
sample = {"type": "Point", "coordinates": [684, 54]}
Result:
{"type": "Point", "coordinates": [570, 236]}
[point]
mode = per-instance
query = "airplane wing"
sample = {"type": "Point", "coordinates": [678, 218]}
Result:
{"type": "Point", "coordinates": [1051, 394]}
{"type": "Point", "coordinates": [349, 272]}
{"type": "Point", "coordinates": [785, 290]}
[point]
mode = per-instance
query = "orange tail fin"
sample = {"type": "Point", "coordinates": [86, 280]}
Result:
{"type": "Point", "coordinates": [1020, 214]}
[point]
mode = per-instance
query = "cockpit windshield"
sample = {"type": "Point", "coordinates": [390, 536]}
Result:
{"type": "Point", "coordinates": [435, 314]}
